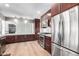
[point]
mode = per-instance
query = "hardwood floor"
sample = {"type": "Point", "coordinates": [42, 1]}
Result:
{"type": "Point", "coordinates": [31, 48]}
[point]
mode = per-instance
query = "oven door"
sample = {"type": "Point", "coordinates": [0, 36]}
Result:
{"type": "Point", "coordinates": [41, 40]}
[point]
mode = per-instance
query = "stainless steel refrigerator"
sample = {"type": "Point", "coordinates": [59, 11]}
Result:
{"type": "Point", "coordinates": [65, 40]}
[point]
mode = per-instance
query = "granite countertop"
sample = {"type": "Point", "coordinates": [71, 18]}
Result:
{"type": "Point", "coordinates": [17, 34]}
{"type": "Point", "coordinates": [49, 35]}
{"type": "Point", "coordinates": [45, 34]}
{"type": "Point", "coordinates": [1, 36]}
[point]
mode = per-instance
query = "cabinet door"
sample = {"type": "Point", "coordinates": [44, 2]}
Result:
{"type": "Point", "coordinates": [65, 52]}
{"type": "Point", "coordinates": [66, 6]}
{"type": "Point", "coordinates": [48, 44]}
{"type": "Point", "coordinates": [10, 39]}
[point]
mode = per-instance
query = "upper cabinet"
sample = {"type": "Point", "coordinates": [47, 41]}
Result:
{"type": "Point", "coordinates": [55, 9]}
{"type": "Point", "coordinates": [45, 19]}
{"type": "Point", "coordinates": [66, 6]}
{"type": "Point", "coordinates": [37, 26]}
{"type": "Point", "coordinates": [61, 7]}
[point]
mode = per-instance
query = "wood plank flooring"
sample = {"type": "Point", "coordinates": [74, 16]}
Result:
{"type": "Point", "coordinates": [31, 48]}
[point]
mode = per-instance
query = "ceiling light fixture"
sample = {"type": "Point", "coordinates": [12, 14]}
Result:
{"type": "Point", "coordinates": [27, 17]}
{"type": "Point", "coordinates": [24, 17]}
{"type": "Point", "coordinates": [16, 20]}
{"type": "Point", "coordinates": [49, 14]}
{"type": "Point", "coordinates": [0, 19]}
{"type": "Point", "coordinates": [25, 21]}
{"type": "Point", "coordinates": [38, 12]}
{"type": "Point", "coordinates": [7, 5]}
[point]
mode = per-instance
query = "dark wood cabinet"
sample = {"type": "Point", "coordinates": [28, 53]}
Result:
{"type": "Point", "coordinates": [10, 39]}
{"type": "Point", "coordinates": [37, 28]}
{"type": "Point", "coordinates": [45, 19]}
{"type": "Point", "coordinates": [47, 44]}
{"type": "Point", "coordinates": [66, 6]}
{"type": "Point", "coordinates": [61, 7]}
{"type": "Point", "coordinates": [55, 9]}
{"type": "Point", "coordinates": [19, 38]}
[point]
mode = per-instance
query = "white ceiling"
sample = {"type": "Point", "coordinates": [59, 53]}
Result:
{"type": "Point", "coordinates": [25, 9]}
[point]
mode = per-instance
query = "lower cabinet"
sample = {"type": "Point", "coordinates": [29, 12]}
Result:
{"type": "Point", "coordinates": [10, 39]}
{"type": "Point", "coordinates": [47, 44]}
{"type": "Point", "coordinates": [19, 38]}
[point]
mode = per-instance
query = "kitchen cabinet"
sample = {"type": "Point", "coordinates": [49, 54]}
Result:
{"type": "Point", "coordinates": [10, 39]}
{"type": "Point", "coordinates": [19, 38]}
{"type": "Point", "coordinates": [66, 6]}
{"type": "Point", "coordinates": [45, 19]}
{"type": "Point", "coordinates": [47, 44]}
{"type": "Point", "coordinates": [2, 45]}
{"type": "Point", "coordinates": [37, 28]}
{"type": "Point", "coordinates": [55, 9]}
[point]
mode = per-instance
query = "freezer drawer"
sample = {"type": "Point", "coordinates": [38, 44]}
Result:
{"type": "Point", "coordinates": [56, 50]}
{"type": "Point", "coordinates": [66, 52]}
{"type": "Point", "coordinates": [60, 51]}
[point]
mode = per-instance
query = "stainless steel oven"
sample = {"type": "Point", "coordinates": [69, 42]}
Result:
{"type": "Point", "coordinates": [41, 40]}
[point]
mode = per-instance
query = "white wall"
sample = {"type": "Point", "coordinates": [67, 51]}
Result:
{"type": "Point", "coordinates": [21, 27]}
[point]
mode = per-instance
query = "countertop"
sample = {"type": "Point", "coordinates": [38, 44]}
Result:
{"type": "Point", "coordinates": [1, 36]}
{"type": "Point", "coordinates": [16, 34]}
{"type": "Point", "coordinates": [46, 34]}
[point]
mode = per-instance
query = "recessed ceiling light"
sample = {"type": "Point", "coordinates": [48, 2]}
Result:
{"type": "Point", "coordinates": [7, 5]}
{"type": "Point", "coordinates": [27, 17]}
{"type": "Point", "coordinates": [0, 19]}
{"type": "Point", "coordinates": [16, 20]}
{"type": "Point", "coordinates": [49, 14]}
{"type": "Point", "coordinates": [24, 17]}
{"type": "Point", "coordinates": [25, 21]}
{"type": "Point", "coordinates": [38, 12]}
